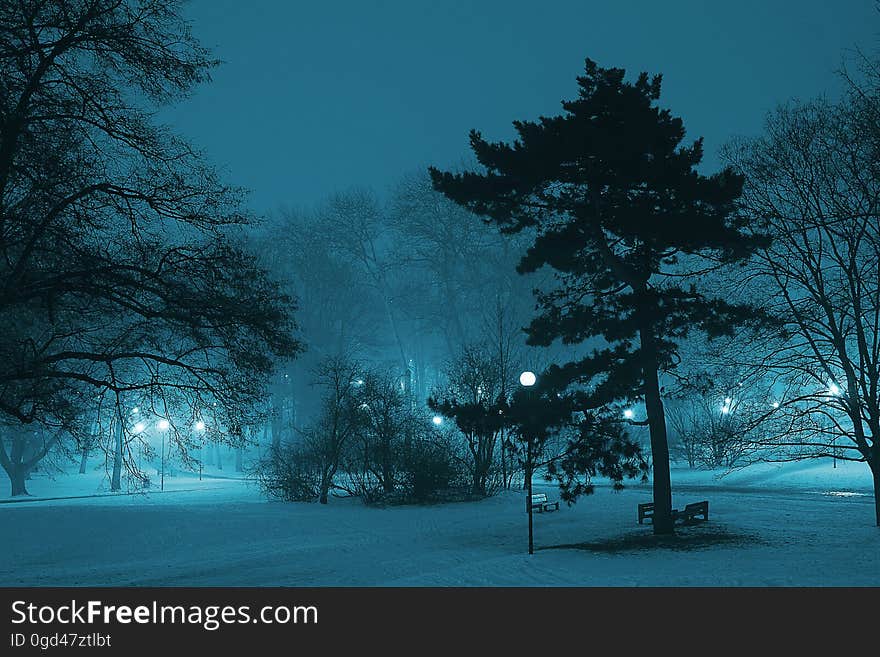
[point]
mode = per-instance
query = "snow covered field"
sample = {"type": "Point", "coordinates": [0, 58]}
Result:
{"type": "Point", "coordinates": [798, 524]}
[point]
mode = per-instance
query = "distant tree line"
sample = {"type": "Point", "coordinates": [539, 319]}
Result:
{"type": "Point", "coordinates": [732, 315]}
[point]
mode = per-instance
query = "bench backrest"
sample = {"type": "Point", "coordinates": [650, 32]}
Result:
{"type": "Point", "coordinates": [537, 498]}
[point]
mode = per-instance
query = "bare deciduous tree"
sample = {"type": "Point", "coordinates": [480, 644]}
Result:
{"type": "Point", "coordinates": [815, 179]}
{"type": "Point", "coordinates": [119, 272]}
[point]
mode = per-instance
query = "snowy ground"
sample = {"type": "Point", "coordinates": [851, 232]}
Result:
{"type": "Point", "coordinates": [798, 524]}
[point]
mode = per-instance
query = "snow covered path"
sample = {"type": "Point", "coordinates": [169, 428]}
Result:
{"type": "Point", "coordinates": [227, 536]}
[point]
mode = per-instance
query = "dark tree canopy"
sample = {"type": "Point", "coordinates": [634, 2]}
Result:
{"type": "Point", "coordinates": [118, 258]}
{"type": "Point", "coordinates": [618, 209]}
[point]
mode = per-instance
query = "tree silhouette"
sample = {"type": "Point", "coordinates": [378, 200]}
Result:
{"type": "Point", "coordinates": [619, 211]}
{"type": "Point", "coordinates": [117, 242]}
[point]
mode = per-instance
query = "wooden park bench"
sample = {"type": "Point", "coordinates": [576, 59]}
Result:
{"type": "Point", "coordinates": [691, 511]}
{"type": "Point", "coordinates": [690, 514]}
{"type": "Point", "coordinates": [541, 503]}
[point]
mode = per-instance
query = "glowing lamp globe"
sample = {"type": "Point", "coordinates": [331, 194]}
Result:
{"type": "Point", "coordinates": [527, 379]}
{"type": "Point", "coordinates": [163, 425]}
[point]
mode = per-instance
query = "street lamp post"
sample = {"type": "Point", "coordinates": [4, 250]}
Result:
{"type": "Point", "coordinates": [527, 380]}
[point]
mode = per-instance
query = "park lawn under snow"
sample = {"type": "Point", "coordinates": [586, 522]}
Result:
{"type": "Point", "coordinates": [797, 524]}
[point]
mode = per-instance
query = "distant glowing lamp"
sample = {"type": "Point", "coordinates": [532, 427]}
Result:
{"type": "Point", "coordinates": [628, 414]}
{"type": "Point", "coordinates": [437, 420]}
{"type": "Point", "coordinates": [139, 427]}
{"type": "Point", "coordinates": [163, 425]}
{"type": "Point", "coordinates": [527, 379]}
{"type": "Point", "coordinates": [200, 426]}
{"type": "Point", "coordinates": [834, 389]}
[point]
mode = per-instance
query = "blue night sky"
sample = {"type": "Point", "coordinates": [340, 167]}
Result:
{"type": "Point", "coordinates": [315, 97]}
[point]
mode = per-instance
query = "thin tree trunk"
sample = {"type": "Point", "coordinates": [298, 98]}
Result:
{"type": "Point", "coordinates": [325, 487]}
{"type": "Point", "coordinates": [94, 439]}
{"type": "Point", "coordinates": [265, 446]}
{"type": "Point", "coordinates": [116, 482]}
{"type": "Point", "coordinates": [503, 460]}
{"type": "Point", "coordinates": [275, 425]}
{"type": "Point", "coordinates": [875, 469]}
{"type": "Point", "coordinates": [662, 521]}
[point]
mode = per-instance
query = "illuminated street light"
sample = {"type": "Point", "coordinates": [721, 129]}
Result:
{"type": "Point", "coordinates": [200, 426]}
{"type": "Point", "coordinates": [139, 427]}
{"type": "Point", "coordinates": [725, 409]}
{"type": "Point", "coordinates": [834, 389]}
{"type": "Point", "coordinates": [163, 425]}
{"type": "Point", "coordinates": [776, 404]}
{"type": "Point", "coordinates": [135, 410]}
{"type": "Point", "coordinates": [527, 379]}
{"type": "Point", "coordinates": [628, 414]}
{"type": "Point", "coordinates": [437, 420]}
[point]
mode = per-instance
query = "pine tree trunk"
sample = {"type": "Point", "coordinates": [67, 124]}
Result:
{"type": "Point", "coordinates": [239, 459]}
{"type": "Point", "coordinates": [83, 461]}
{"type": "Point", "coordinates": [218, 456]}
{"type": "Point", "coordinates": [662, 521]}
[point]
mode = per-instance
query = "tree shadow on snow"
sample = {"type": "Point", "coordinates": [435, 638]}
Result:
{"type": "Point", "coordinates": [695, 537]}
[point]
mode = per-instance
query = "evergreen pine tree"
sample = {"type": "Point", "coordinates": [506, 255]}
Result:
{"type": "Point", "coordinates": [621, 214]}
